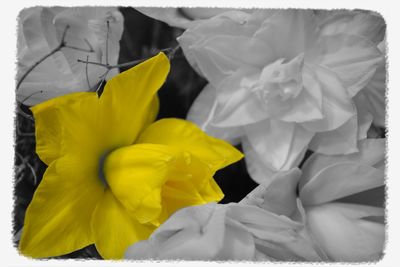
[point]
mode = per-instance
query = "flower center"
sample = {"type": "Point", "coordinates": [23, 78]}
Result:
{"type": "Point", "coordinates": [280, 79]}
{"type": "Point", "coordinates": [101, 173]}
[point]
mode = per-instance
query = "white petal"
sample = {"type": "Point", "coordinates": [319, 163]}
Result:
{"type": "Point", "coordinates": [354, 59]}
{"type": "Point", "coordinates": [340, 180]}
{"type": "Point", "coordinates": [298, 26]}
{"type": "Point", "coordinates": [345, 238]}
{"type": "Point", "coordinates": [375, 96]}
{"type": "Point", "coordinates": [342, 140]}
{"type": "Point", "coordinates": [217, 61]}
{"type": "Point", "coordinates": [370, 26]}
{"type": "Point", "coordinates": [371, 152]}
{"type": "Point", "coordinates": [280, 196]}
{"type": "Point", "coordinates": [172, 16]}
{"type": "Point", "coordinates": [337, 106]}
{"type": "Point", "coordinates": [279, 145]}
{"type": "Point", "coordinates": [237, 105]}
{"type": "Point", "coordinates": [202, 113]}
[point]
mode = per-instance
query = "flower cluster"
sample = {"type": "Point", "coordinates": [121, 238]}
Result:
{"type": "Point", "coordinates": [288, 81]}
{"type": "Point", "coordinates": [302, 93]}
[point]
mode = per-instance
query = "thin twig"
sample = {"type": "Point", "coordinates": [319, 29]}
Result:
{"type": "Point", "coordinates": [169, 51]}
{"type": "Point", "coordinates": [128, 64]}
{"type": "Point", "coordinates": [61, 45]}
{"type": "Point", "coordinates": [95, 63]}
{"type": "Point", "coordinates": [29, 96]}
{"type": "Point", "coordinates": [79, 49]}
{"type": "Point", "coordinates": [56, 49]}
{"type": "Point", "coordinates": [88, 43]}
{"type": "Point", "coordinates": [108, 31]}
{"type": "Point", "coordinates": [86, 72]}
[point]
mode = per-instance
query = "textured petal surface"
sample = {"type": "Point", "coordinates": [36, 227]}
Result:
{"type": "Point", "coordinates": [237, 104]}
{"type": "Point", "coordinates": [198, 233]}
{"type": "Point", "coordinates": [283, 25]}
{"type": "Point", "coordinates": [371, 152]}
{"type": "Point", "coordinates": [279, 145]}
{"type": "Point", "coordinates": [280, 195]}
{"type": "Point", "coordinates": [352, 58]}
{"type": "Point", "coordinates": [337, 106]}
{"type": "Point", "coordinates": [369, 25]}
{"type": "Point", "coordinates": [50, 124]}
{"type": "Point", "coordinates": [342, 140]}
{"type": "Point", "coordinates": [115, 229]}
{"type": "Point", "coordinates": [343, 237]}
{"type": "Point", "coordinates": [340, 180]}
{"type": "Point", "coordinates": [202, 112]}
{"type": "Point", "coordinates": [57, 221]}
{"type": "Point", "coordinates": [186, 136]}
{"type": "Point", "coordinates": [373, 96]}
{"type": "Point", "coordinates": [136, 175]}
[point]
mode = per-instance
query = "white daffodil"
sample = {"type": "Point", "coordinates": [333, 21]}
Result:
{"type": "Point", "coordinates": [342, 198]}
{"type": "Point", "coordinates": [279, 85]}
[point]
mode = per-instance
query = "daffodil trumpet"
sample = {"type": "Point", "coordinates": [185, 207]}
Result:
{"type": "Point", "coordinates": [114, 175]}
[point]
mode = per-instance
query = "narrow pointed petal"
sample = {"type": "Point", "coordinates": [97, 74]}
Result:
{"type": "Point", "coordinates": [114, 228]}
{"type": "Point", "coordinates": [186, 136]}
{"type": "Point", "coordinates": [57, 220]}
{"type": "Point", "coordinates": [128, 96]}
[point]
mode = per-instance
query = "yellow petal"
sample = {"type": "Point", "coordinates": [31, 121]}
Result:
{"type": "Point", "coordinates": [57, 220]}
{"type": "Point", "coordinates": [82, 121]}
{"type": "Point", "coordinates": [114, 229]}
{"type": "Point", "coordinates": [186, 136]}
{"type": "Point", "coordinates": [152, 111]}
{"type": "Point", "coordinates": [136, 175]}
{"type": "Point", "coordinates": [49, 124]}
{"type": "Point", "coordinates": [129, 97]}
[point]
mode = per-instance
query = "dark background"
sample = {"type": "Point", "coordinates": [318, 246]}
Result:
{"type": "Point", "coordinates": [143, 37]}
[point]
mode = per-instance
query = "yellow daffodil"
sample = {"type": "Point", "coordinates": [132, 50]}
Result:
{"type": "Point", "coordinates": [114, 176]}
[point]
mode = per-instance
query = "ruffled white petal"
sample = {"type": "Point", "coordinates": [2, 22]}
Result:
{"type": "Point", "coordinates": [202, 111]}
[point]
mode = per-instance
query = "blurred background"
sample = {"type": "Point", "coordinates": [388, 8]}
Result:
{"type": "Point", "coordinates": [143, 37]}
